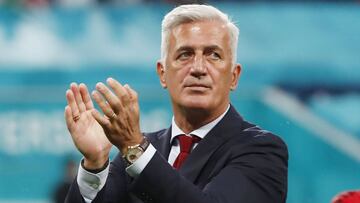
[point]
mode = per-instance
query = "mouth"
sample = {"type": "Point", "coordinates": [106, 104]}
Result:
{"type": "Point", "coordinates": [199, 87]}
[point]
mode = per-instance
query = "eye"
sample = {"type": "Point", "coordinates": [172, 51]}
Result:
{"type": "Point", "coordinates": [214, 56]}
{"type": "Point", "coordinates": [184, 56]}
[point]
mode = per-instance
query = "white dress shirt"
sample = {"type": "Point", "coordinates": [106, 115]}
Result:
{"type": "Point", "coordinates": [90, 183]}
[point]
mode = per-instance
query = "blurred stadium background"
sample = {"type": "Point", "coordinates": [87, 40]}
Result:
{"type": "Point", "coordinates": [301, 80]}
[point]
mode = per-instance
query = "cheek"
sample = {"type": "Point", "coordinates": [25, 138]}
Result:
{"type": "Point", "coordinates": [221, 78]}
{"type": "Point", "coordinates": [217, 73]}
{"type": "Point", "coordinates": [177, 76]}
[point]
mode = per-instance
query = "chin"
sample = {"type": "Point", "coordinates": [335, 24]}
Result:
{"type": "Point", "coordinates": [197, 103]}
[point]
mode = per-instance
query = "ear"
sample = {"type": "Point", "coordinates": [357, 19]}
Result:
{"type": "Point", "coordinates": [160, 68]}
{"type": "Point", "coordinates": [235, 77]}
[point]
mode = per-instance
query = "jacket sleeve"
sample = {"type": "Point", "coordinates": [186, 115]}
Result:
{"type": "Point", "coordinates": [114, 190]}
{"type": "Point", "coordinates": [253, 173]}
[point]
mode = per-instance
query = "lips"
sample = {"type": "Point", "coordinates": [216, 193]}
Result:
{"type": "Point", "coordinates": [197, 85]}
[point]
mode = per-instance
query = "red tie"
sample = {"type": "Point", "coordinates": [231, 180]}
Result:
{"type": "Point", "coordinates": [186, 143]}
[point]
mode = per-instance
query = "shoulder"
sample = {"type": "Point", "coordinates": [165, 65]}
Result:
{"type": "Point", "coordinates": [249, 137]}
{"type": "Point", "coordinates": [247, 132]}
{"type": "Point", "coordinates": [256, 134]}
{"type": "Point", "coordinates": [255, 140]}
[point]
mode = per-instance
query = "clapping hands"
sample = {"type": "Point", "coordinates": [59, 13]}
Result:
{"type": "Point", "coordinates": [93, 133]}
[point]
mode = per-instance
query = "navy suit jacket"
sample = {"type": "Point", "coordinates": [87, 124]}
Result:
{"type": "Point", "coordinates": [236, 162]}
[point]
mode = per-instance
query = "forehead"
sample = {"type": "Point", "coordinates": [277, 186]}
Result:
{"type": "Point", "coordinates": [200, 34]}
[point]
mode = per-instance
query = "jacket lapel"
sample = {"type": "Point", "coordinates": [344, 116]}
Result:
{"type": "Point", "coordinates": [161, 142]}
{"type": "Point", "coordinates": [212, 141]}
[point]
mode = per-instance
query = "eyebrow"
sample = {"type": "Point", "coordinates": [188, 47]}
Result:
{"type": "Point", "coordinates": [184, 48]}
{"type": "Point", "coordinates": [213, 47]}
{"type": "Point", "coordinates": [190, 48]}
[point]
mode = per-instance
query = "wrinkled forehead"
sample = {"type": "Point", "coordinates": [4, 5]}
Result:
{"type": "Point", "coordinates": [200, 33]}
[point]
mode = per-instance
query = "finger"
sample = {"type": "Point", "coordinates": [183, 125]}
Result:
{"type": "Point", "coordinates": [128, 91]}
{"type": "Point", "coordinates": [134, 98]}
{"type": "Point", "coordinates": [104, 122]}
{"type": "Point", "coordinates": [68, 117]}
{"type": "Point", "coordinates": [104, 106]}
{"type": "Point", "coordinates": [113, 100]}
{"type": "Point", "coordinates": [119, 90]}
{"type": "Point", "coordinates": [75, 89]}
{"type": "Point", "coordinates": [72, 103]}
{"type": "Point", "coordinates": [133, 94]}
{"type": "Point", "coordinates": [84, 92]}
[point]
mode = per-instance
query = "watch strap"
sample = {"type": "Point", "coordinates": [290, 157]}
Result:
{"type": "Point", "coordinates": [143, 145]}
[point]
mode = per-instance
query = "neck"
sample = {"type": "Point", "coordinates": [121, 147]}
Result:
{"type": "Point", "coordinates": [189, 120]}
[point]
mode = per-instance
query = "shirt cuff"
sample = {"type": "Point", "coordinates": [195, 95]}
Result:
{"type": "Point", "coordinates": [138, 166]}
{"type": "Point", "coordinates": [91, 183]}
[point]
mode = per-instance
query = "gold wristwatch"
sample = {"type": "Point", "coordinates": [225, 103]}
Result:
{"type": "Point", "coordinates": [135, 151]}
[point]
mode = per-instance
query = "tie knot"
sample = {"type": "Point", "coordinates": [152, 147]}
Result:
{"type": "Point", "coordinates": [186, 142]}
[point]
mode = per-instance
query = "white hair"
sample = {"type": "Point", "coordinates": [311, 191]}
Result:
{"type": "Point", "coordinates": [196, 13]}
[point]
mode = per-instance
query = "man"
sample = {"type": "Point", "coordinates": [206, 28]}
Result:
{"type": "Point", "coordinates": [209, 154]}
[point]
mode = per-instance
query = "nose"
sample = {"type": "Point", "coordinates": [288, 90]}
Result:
{"type": "Point", "coordinates": [198, 67]}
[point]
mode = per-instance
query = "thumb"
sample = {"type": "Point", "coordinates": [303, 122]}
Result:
{"type": "Point", "coordinates": [68, 117]}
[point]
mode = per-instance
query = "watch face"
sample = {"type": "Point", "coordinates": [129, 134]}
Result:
{"type": "Point", "coordinates": [134, 154]}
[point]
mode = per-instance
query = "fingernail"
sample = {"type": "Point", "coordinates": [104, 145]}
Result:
{"type": "Point", "coordinates": [99, 85]}
{"type": "Point", "coordinates": [110, 79]}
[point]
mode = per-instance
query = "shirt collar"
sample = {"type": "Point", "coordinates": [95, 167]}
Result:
{"type": "Point", "coordinates": [200, 132]}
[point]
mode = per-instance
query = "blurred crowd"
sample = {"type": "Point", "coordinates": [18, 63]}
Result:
{"type": "Point", "coordinates": [42, 3]}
